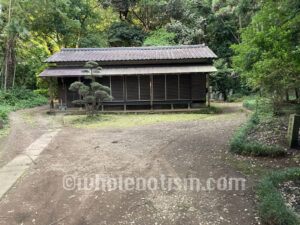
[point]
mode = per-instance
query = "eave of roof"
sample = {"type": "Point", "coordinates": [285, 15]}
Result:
{"type": "Point", "coordinates": [129, 70]}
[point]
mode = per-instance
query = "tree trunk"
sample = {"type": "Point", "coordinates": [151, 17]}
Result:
{"type": "Point", "coordinates": [260, 91]}
{"type": "Point", "coordinates": [9, 55]}
{"type": "Point", "coordinates": [9, 64]}
{"type": "Point", "coordinates": [287, 95]}
{"type": "Point", "coordinates": [145, 25]}
{"type": "Point", "coordinates": [204, 33]}
{"type": "Point", "coordinates": [296, 93]}
{"type": "Point", "coordinates": [225, 96]}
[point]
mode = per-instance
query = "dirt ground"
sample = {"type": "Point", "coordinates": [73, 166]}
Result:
{"type": "Point", "coordinates": [181, 149]}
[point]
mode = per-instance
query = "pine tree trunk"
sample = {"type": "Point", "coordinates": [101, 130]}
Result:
{"type": "Point", "coordinates": [297, 93]}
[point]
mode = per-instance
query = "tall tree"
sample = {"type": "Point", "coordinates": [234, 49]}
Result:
{"type": "Point", "coordinates": [13, 30]}
{"type": "Point", "coordinates": [66, 23]}
{"type": "Point", "coordinates": [268, 56]}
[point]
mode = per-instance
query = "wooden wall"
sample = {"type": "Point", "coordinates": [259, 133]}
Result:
{"type": "Point", "coordinates": [137, 88]}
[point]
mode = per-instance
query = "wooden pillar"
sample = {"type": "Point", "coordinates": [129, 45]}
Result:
{"type": "Point", "coordinates": [65, 90]}
{"type": "Point", "coordinates": [139, 86]}
{"type": "Point", "coordinates": [208, 90]}
{"type": "Point", "coordinates": [165, 87]}
{"type": "Point", "coordinates": [151, 91]}
{"type": "Point", "coordinates": [125, 92]}
{"type": "Point", "coordinates": [110, 87]}
{"type": "Point", "coordinates": [51, 93]}
{"type": "Point", "coordinates": [178, 86]}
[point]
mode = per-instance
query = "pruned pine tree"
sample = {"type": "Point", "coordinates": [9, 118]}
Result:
{"type": "Point", "coordinates": [92, 95]}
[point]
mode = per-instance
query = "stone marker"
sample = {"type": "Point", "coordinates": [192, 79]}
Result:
{"type": "Point", "coordinates": [293, 131]}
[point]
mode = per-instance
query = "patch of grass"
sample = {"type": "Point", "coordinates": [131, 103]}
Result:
{"type": "Point", "coordinates": [28, 118]}
{"type": "Point", "coordinates": [240, 145]}
{"type": "Point", "coordinates": [128, 120]}
{"type": "Point", "coordinates": [221, 116]}
{"type": "Point", "coordinates": [246, 167]}
{"type": "Point", "coordinates": [272, 207]}
{"type": "Point", "coordinates": [213, 109]}
{"type": "Point", "coordinates": [5, 131]}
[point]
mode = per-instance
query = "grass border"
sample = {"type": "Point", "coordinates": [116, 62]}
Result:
{"type": "Point", "coordinates": [240, 145]}
{"type": "Point", "coordinates": [272, 207]}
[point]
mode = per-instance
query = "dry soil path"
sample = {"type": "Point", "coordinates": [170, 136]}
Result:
{"type": "Point", "coordinates": [175, 150]}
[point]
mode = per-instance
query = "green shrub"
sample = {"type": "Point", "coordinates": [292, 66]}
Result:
{"type": "Point", "coordinates": [261, 105]}
{"type": "Point", "coordinates": [272, 207]}
{"type": "Point", "coordinates": [236, 97]}
{"type": "Point", "coordinates": [42, 92]}
{"type": "Point", "coordinates": [240, 145]}
{"type": "Point", "coordinates": [16, 99]}
{"type": "Point", "coordinates": [249, 104]}
{"type": "Point", "coordinates": [3, 115]}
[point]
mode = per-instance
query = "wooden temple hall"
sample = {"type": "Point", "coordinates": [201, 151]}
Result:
{"type": "Point", "coordinates": [139, 77]}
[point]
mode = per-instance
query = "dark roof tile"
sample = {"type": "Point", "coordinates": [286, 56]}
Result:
{"type": "Point", "coordinates": [132, 54]}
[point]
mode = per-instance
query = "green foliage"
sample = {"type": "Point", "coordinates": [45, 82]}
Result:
{"type": "Point", "coordinates": [225, 79]}
{"type": "Point", "coordinates": [16, 99]}
{"type": "Point", "coordinates": [44, 27]}
{"type": "Point", "coordinates": [268, 55]}
{"type": "Point", "coordinates": [65, 23]}
{"type": "Point", "coordinates": [31, 64]}
{"type": "Point", "coordinates": [160, 37]}
{"type": "Point", "coordinates": [263, 106]}
{"type": "Point", "coordinates": [240, 145]}
{"type": "Point", "coordinates": [185, 34]}
{"type": "Point", "coordinates": [250, 103]}
{"type": "Point", "coordinates": [265, 34]}
{"type": "Point", "coordinates": [92, 95]}
{"type": "Point", "coordinates": [272, 207]}
{"type": "Point", "coordinates": [123, 34]}
{"type": "Point", "coordinates": [42, 92]}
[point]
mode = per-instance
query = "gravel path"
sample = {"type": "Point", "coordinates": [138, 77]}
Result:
{"type": "Point", "coordinates": [174, 150]}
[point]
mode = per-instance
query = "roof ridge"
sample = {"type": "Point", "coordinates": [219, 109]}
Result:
{"type": "Point", "coordinates": [135, 48]}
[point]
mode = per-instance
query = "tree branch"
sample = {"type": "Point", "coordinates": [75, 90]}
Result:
{"type": "Point", "coordinates": [140, 19]}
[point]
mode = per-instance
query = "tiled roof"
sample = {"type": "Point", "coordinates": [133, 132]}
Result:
{"type": "Point", "coordinates": [132, 54]}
